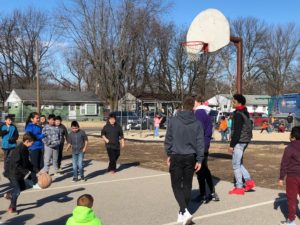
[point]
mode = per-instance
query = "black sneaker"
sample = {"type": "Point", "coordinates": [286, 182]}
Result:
{"type": "Point", "coordinates": [215, 197]}
{"type": "Point", "coordinates": [83, 178]}
{"type": "Point", "coordinates": [75, 179]}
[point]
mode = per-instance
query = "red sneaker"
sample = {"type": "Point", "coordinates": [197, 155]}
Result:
{"type": "Point", "coordinates": [249, 185]}
{"type": "Point", "coordinates": [12, 211]}
{"type": "Point", "coordinates": [237, 191]}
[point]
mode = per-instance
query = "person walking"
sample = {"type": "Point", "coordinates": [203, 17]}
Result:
{"type": "Point", "coordinates": [290, 170]}
{"type": "Point", "coordinates": [289, 120]}
{"type": "Point", "coordinates": [113, 137]}
{"type": "Point", "coordinates": [240, 138]}
{"type": "Point", "coordinates": [204, 175]}
{"type": "Point", "coordinates": [64, 137]}
{"type": "Point", "coordinates": [184, 146]}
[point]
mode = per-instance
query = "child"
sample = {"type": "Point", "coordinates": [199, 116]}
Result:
{"type": "Point", "coordinates": [37, 148]}
{"type": "Point", "coordinates": [290, 168]}
{"type": "Point", "coordinates": [112, 134]}
{"type": "Point", "coordinates": [10, 135]}
{"type": "Point", "coordinates": [157, 120]}
{"type": "Point", "coordinates": [43, 121]}
{"type": "Point", "coordinates": [64, 136]}
{"type": "Point", "coordinates": [78, 140]}
{"type": "Point", "coordinates": [17, 168]}
{"type": "Point", "coordinates": [83, 213]}
{"type": "Point", "coordinates": [51, 142]}
{"type": "Point", "coordinates": [223, 128]}
{"type": "Point", "coordinates": [264, 126]}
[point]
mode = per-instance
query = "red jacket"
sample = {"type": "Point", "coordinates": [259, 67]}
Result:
{"type": "Point", "coordinates": [290, 162]}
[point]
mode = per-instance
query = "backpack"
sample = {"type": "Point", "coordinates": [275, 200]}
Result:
{"type": "Point", "coordinates": [246, 133]}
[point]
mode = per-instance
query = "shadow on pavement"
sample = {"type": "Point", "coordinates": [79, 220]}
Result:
{"type": "Point", "coordinates": [281, 202]}
{"type": "Point", "coordinates": [59, 198]}
{"type": "Point", "coordinates": [96, 173]}
{"type": "Point", "coordinates": [220, 155]}
{"type": "Point", "coordinates": [127, 165]}
{"type": "Point", "coordinates": [19, 220]}
{"type": "Point", "coordinates": [60, 221]}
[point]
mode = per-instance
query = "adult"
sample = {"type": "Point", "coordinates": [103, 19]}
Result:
{"type": "Point", "coordinates": [240, 138]}
{"type": "Point", "coordinates": [290, 120]}
{"type": "Point", "coordinates": [204, 175]}
{"type": "Point", "coordinates": [37, 148]}
{"type": "Point", "coordinates": [184, 140]}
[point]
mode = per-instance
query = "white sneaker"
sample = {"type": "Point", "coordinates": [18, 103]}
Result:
{"type": "Point", "coordinates": [36, 186]}
{"type": "Point", "coordinates": [187, 218]}
{"type": "Point", "coordinates": [180, 218]}
{"type": "Point", "coordinates": [288, 222]}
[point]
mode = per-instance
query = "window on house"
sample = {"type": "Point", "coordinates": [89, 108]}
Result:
{"type": "Point", "coordinates": [90, 109]}
{"type": "Point", "coordinates": [82, 109]}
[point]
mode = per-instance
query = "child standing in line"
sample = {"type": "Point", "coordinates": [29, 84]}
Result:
{"type": "Point", "coordinates": [83, 213]}
{"type": "Point", "coordinates": [10, 135]}
{"type": "Point", "coordinates": [112, 134]}
{"type": "Point", "coordinates": [78, 140]}
{"type": "Point", "coordinates": [290, 169]}
{"type": "Point", "coordinates": [64, 136]}
{"type": "Point", "coordinates": [52, 142]}
{"type": "Point", "coordinates": [16, 169]}
{"type": "Point", "coordinates": [37, 148]}
{"type": "Point", "coordinates": [157, 119]}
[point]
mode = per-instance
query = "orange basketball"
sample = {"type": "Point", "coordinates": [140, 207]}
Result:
{"type": "Point", "coordinates": [44, 180]}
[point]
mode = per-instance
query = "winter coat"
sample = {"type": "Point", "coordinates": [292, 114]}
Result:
{"type": "Point", "coordinates": [83, 216]}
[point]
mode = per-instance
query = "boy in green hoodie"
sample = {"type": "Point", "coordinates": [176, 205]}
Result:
{"type": "Point", "coordinates": [83, 213]}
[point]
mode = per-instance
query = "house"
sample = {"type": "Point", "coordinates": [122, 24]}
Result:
{"type": "Point", "coordinates": [254, 103]}
{"type": "Point", "coordinates": [70, 105]}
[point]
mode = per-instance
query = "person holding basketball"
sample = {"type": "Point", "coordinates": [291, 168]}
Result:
{"type": "Point", "coordinates": [16, 168]}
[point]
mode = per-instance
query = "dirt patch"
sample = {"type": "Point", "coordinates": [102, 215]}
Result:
{"type": "Point", "coordinates": [262, 161]}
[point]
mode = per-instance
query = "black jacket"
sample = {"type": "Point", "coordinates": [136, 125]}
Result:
{"type": "Point", "coordinates": [114, 134]}
{"type": "Point", "coordinates": [18, 164]}
{"type": "Point", "coordinates": [185, 136]}
{"type": "Point", "coordinates": [239, 132]}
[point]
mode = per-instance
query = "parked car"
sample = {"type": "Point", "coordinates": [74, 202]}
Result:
{"type": "Point", "coordinates": [258, 118]}
{"type": "Point", "coordinates": [126, 119]}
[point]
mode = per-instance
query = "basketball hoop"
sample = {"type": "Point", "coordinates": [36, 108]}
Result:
{"type": "Point", "coordinates": [194, 49]}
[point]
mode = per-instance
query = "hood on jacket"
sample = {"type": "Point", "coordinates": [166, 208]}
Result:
{"type": "Point", "coordinates": [186, 117]}
{"type": "Point", "coordinates": [82, 214]}
{"type": "Point", "coordinates": [204, 107]}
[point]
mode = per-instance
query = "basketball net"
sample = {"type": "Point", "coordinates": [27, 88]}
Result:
{"type": "Point", "coordinates": [194, 49]}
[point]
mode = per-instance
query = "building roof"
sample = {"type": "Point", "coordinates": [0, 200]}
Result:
{"type": "Point", "coordinates": [28, 95]}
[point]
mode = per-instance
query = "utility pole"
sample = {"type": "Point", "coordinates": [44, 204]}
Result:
{"type": "Point", "coordinates": [38, 99]}
{"type": "Point", "coordinates": [238, 43]}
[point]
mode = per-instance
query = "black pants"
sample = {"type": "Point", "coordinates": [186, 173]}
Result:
{"type": "Point", "coordinates": [204, 175]}
{"type": "Point", "coordinates": [5, 155]}
{"type": "Point", "coordinates": [113, 154]}
{"type": "Point", "coordinates": [37, 160]}
{"type": "Point", "coordinates": [17, 186]}
{"type": "Point", "coordinates": [60, 154]}
{"type": "Point", "coordinates": [182, 169]}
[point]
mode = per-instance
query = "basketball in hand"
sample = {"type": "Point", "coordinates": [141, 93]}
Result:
{"type": "Point", "coordinates": [44, 180]}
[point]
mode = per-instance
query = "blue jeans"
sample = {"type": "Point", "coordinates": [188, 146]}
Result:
{"type": "Point", "coordinates": [237, 164]}
{"type": "Point", "coordinates": [17, 186]}
{"type": "Point", "coordinates": [77, 161]}
{"type": "Point", "coordinates": [156, 131]}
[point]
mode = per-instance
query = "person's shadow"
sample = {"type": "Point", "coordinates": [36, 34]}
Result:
{"type": "Point", "coordinates": [127, 165]}
{"type": "Point", "coordinates": [59, 198]}
{"type": "Point", "coordinates": [19, 220]}
{"type": "Point", "coordinates": [60, 221]}
{"type": "Point", "coordinates": [281, 202]}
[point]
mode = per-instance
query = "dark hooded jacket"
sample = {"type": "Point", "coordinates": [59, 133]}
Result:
{"type": "Point", "coordinates": [185, 136]}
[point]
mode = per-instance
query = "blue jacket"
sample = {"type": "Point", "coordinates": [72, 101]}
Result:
{"type": "Point", "coordinates": [36, 130]}
{"type": "Point", "coordinates": [204, 118]}
{"type": "Point", "coordinates": [9, 135]}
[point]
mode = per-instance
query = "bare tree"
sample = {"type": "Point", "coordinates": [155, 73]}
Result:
{"type": "Point", "coordinates": [280, 53]}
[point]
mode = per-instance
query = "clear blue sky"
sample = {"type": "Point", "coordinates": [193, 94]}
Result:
{"type": "Point", "coordinates": [183, 12]}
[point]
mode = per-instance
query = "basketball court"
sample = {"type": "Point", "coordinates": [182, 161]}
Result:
{"type": "Point", "coordinates": [138, 196]}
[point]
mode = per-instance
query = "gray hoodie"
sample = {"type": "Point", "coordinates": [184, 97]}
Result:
{"type": "Point", "coordinates": [185, 136]}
